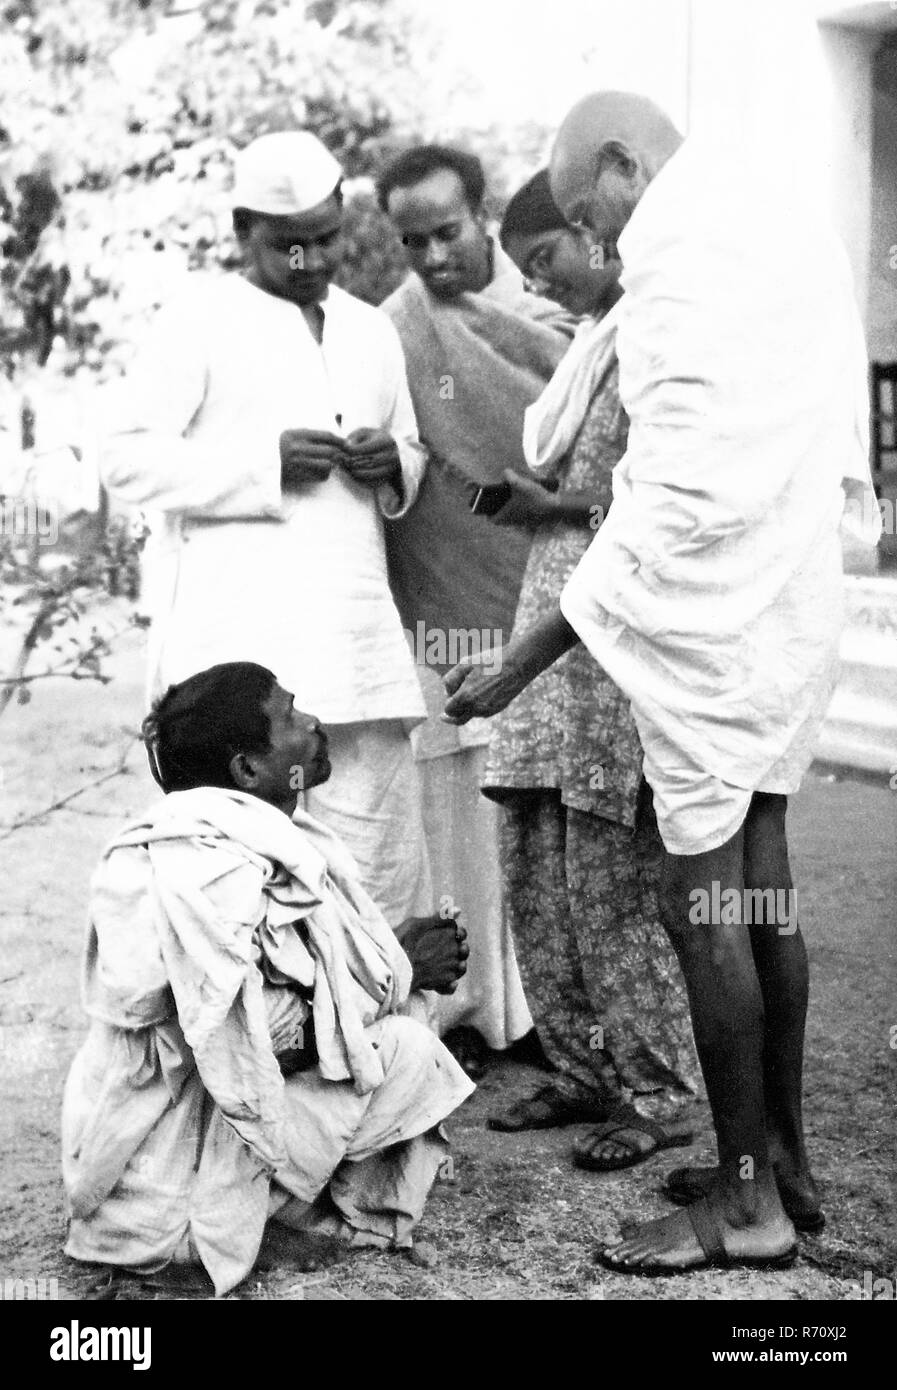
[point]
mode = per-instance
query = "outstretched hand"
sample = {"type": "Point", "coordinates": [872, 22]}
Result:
{"type": "Point", "coordinates": [480, 686]}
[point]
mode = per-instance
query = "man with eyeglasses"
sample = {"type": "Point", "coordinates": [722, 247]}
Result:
{"type": "Point", "coordinates": [712, 596]}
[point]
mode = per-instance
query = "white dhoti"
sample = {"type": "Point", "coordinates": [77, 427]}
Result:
{"type": "Point", "coordinates": [462, 834]}
{"type": "Point", "coordinates": [372, 802]}
{"type": "Point", "coordinates": [462, 841]}
{"type": "Point", "coordinates": [698, 811]}
{"type": "Point", "coordinates": [378, 1153]}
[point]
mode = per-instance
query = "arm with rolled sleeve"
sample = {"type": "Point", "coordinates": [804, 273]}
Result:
{"type": "Point", "coordinates": [402, 425]}
{"type": "Point", "coordinates": [149, 453]}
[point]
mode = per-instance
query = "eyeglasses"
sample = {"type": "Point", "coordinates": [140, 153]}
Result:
{"type": "Point", "coordinates": [538, 265]}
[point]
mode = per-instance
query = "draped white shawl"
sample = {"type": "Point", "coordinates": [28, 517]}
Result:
{"type": "Point", "coordinates": [204, 970]}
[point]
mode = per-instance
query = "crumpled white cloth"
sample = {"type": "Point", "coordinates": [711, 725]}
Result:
{"type": "Point", "coordinates": [356, 966]}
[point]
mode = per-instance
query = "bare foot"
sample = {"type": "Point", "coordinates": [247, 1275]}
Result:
{"type": "Point", "coordinates": [627, 1144]}
{"type": "Point", "coordinates": [671, 1242]}
{"type": "Point", "coordinates": [623, 1148]}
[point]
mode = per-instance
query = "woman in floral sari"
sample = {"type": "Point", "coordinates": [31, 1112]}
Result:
{"type": "Point", "coordinates": [580, 851]}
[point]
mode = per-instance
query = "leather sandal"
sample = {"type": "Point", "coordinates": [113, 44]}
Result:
{"type": "Point", "coordinates": [710, 1238]}
{"type": "Point", "coordinates": [623, 1118]}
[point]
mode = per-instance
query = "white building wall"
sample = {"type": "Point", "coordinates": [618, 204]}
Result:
{"type": "Point", "coordinates": [795, 74]}
{"type": "Point", "coordinates": [848, 127]}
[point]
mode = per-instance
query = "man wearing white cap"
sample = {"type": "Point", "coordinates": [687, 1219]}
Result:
{"type": "Point", "coordinates": [268, 425]}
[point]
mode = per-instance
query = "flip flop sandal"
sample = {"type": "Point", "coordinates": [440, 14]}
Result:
{"type": "Point", "coordinates": [625, 1117]}
{"type": "Point", "coordinates": [686, 1185]}
{"type": "Point", "coordinates": [545, 1109]}
{"type": "Point", "coordinates": [709, 1236]}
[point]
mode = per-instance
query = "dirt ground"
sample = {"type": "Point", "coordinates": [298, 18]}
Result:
{"type": "Point", "coordinates": [514, 1220]}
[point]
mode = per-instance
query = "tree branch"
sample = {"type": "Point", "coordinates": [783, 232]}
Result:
{"type": "Point", "coordinates": [29, 642]}
{"type": "Point", "coordinates": [61, 669]}
{"type": "Point", "coordinates": [116, 771]}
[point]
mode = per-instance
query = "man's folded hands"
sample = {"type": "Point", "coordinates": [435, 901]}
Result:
{"type": "Point", "coordinates": [369, 456]}
{"type": "Point", "coordinates": [438, 950]}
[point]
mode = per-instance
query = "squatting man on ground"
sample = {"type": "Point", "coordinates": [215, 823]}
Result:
{"type": "Point", "coordinates": [249, 1053]}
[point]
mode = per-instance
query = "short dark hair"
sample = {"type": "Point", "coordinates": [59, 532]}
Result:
{"type": "Point", "coordinates": [531, 210]}
{"type": "Point", "coordinates": [243, 218]}
{"type": "Point", "coordinates": [416, 164]}
{"type": "Point", "coordinates": [195, 729]}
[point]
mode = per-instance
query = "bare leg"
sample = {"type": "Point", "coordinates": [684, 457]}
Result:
{"type": "Point", "coordinates": [728, 1017]}
{"type": "Point", "coordinates": [781, 960]}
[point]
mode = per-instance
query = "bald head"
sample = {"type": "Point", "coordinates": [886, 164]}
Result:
{"type": "Point", "coordinates": [607, 151]}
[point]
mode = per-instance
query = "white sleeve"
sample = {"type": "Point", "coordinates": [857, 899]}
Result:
{"type": "Point", "coordinates": [147, 455]}
{"type": "Point", "coordinates": [402, 425]}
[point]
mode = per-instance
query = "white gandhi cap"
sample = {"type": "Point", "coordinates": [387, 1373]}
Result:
{"type": "Point", "coordinates": [284, 174]}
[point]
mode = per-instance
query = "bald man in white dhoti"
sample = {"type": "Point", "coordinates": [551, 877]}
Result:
{"type": "Point", "coordinates": [712, 596]}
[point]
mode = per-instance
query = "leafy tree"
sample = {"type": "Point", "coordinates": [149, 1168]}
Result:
{"type": "Point", "coordinates": [118, 124]}
{"type": "Point", "coordinates": [45, 593]}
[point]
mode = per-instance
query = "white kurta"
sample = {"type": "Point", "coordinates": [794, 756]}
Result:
{"type": "Point", "coordinates": [238, 570]}
{"type": "Point", "coordinates": [712, 593]}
